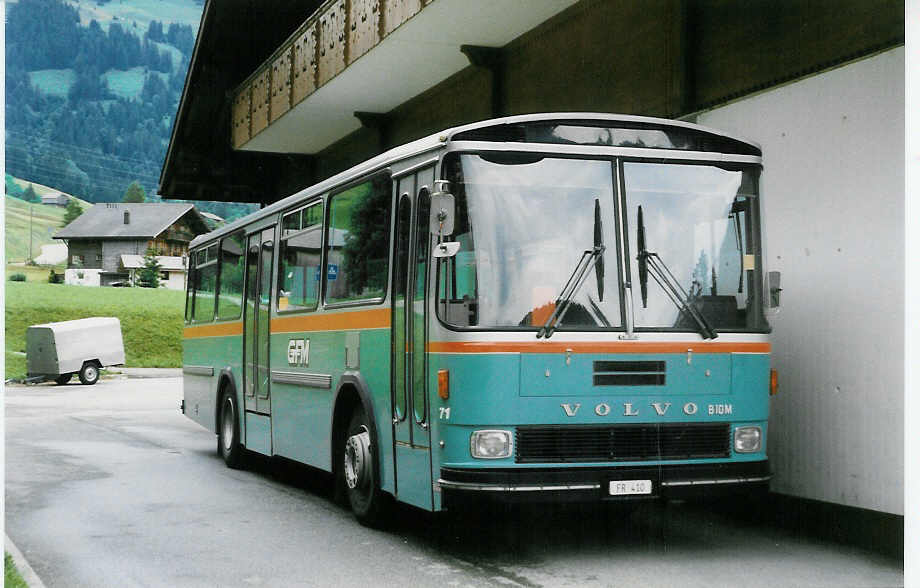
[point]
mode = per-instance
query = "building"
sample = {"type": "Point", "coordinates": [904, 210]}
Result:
{"type": "Point", "coordinates": [55, 199]}
{"type": "Point", "coordinates": [98, 239]}
{"type": "Point", "coordinates": [282, 94]}
{"type": "Point", "coordinates": [173, 270]}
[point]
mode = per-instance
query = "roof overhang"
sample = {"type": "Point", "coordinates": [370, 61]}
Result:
{"type": "Point", "coordinates": [419, 54]}
{"type": "Point", "coordinates": [233, 39]}
{"type": "Point", "coordinates": [237, 37]}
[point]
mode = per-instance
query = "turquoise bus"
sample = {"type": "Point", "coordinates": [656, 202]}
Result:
{"type": "Point", "coordinates": [543, 307]}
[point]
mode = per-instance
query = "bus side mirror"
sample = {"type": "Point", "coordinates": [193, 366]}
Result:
{"type": "Point", "coordinates": [445, 249]}
{"type": "Point", "coordinates": [441, 219]}
{"type": "Point", "coordinates": [773, 289]}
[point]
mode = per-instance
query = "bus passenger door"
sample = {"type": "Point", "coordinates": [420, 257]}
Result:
{"type": "Point", "coordinates": [411, 433]}
{"type": "Point", "coordinates": [256, 321]}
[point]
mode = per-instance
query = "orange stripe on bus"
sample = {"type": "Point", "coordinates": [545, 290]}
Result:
{"type": "Point", "coordinates": [213, 330]}
{"type": "Point", "coordinates": [592, 347]}
{"type": "Point", "coordinates": [360, 319]}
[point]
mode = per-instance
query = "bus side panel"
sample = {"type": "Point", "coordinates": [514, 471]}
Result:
{"type": "Point", "coordinates": [302, 414]}
{"type": "Point", "coordinates": [199, 389]}
{"type": "Point", "coordinates": [375, 369]}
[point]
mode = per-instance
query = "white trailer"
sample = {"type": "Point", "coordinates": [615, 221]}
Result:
{"type": "Point", "coordinates": [57, 351]}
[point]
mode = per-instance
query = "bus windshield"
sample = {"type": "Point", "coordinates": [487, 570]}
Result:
{"type": "Point", "coordinates": [523, 224]}
{"type": "Point", "coordinates": [524, 221]}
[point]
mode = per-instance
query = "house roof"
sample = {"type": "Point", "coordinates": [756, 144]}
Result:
{"type": "Point", "coordinates": [145, 220]}
{"type": "Point", "coordinates": [167, 262]}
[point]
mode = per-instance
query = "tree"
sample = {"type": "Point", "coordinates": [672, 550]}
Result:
{"type": "Point", "coordinates": [12, 188]}
{"type": "Point", "coordinates": [30, 196]}
{"type": "Point", "coordinates": [72, 211]}
{"type": "Point", "coordinates": [134, 193]}
{"type": "Point", "coordinates": [149, 275]}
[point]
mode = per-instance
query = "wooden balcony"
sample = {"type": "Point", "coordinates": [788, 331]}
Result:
{"type": "Point", "coordinates": [366, 56]}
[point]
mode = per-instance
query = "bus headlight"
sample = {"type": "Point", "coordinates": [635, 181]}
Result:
{"type": "Point", "coordinates": [490, 444]}
{"type": "Point", "coordinates": [747, 439]}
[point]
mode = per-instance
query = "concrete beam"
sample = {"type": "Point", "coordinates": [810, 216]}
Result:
{"type": "Point", "coordinates": [492, 59]}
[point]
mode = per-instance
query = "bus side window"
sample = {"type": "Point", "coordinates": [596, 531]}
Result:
{"type": "Point", "coordinates": [205, 285]}
{"type": "Point", "coordinates": [300, 258]}
{"type": "Point", "coordinates": [190, 287]}
{"type": "Point", "coordinates": [358, 242]}
{"type": "Point", "coordinates": [230, 289]}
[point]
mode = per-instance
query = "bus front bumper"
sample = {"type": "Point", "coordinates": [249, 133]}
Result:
{"type": "Point", "coordinates": [591, 484]}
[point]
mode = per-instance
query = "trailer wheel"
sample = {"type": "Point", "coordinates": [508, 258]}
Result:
{"type": "Point", "coordinates": [89, 374]}
{"type": "Point", "coordinates": [62, 379]}
{"type": "Point", "coordinates": [228, 433]}
{"type": "Point", "coordinates": [367, 500]}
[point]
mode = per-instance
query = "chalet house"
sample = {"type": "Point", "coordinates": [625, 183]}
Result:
{"type": "Point", "coordinates": [98, 239]}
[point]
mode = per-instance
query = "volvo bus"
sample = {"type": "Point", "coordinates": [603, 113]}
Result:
{"type": "Point", "coordinates": [543, 307]}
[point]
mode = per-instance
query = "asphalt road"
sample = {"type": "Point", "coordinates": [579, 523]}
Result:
{"type": "Point", "coordinates": [110, 485]}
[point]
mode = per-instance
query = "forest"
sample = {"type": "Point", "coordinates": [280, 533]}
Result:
{"type": "Point", "coordinates": [111, 126]}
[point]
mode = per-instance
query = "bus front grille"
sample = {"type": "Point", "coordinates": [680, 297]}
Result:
{"type": "Point", "coordinates": [645, 442]}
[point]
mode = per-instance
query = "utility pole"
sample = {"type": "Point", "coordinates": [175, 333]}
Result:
{"type": "Point", "coordinates": [30, 233]}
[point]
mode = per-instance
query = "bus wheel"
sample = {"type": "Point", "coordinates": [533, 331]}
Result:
{"type": "Point", "coordinates": [89, 374]}
{"type": "Point", "coordinates": [228, 433]}
{"type": "Point", "coordinates": [62, 379]}
{"type": "Point", "coordinates": [361, 484]}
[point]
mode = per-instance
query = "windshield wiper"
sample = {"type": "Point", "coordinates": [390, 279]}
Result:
{"type": "Point", "coordinates": [589, 258]}
{"type": "Point", "coordinates": [738, 206]}
{"type": "Point", "coordinates": [651, 262]}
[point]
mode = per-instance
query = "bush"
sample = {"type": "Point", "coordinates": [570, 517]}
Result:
{"type": "Point", "coordinates": [54, 278]}
{"type": "Point", "coordinates": [17, 277]}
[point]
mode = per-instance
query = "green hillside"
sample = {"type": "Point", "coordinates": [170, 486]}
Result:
{"type": "Point", "coordinates": [53, 82]}
{"type": "Point", "coordinates": [129, 83]}
{"type": "Point", "coordinates": [41, 190]}
{"type": "Point", "coordinates": [45, 221]}
{"type": "Point", "coordinates": [139, 12]}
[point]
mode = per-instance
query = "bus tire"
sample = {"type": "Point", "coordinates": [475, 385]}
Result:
{"type": "Point", "coordinates": [228, 432]}
{"type": "Point", "coordinates": [62, 379]}
{"type": "Point", "coordinates": [89, 373]}
{"type": "Point", "coordinates": [359, 473]}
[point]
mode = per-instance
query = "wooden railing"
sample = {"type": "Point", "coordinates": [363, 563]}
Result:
{"type": "Point", "coordinates": [330, 40]}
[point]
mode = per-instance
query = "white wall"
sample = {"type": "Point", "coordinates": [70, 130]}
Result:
{"type": "Point", "coordinates": [833, 189]}
{"type": "Point", "coordinates": [176, 281]}
{"type": "Point", "coordinates": [83, 277]}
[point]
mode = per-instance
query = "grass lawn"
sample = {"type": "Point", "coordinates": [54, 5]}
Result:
{"type": "Point", "coordinates": [34, 273]}
{"type": "Point", "coordinates": [151, 320]}
{"type": "Point", "coordinates": [11, 576]}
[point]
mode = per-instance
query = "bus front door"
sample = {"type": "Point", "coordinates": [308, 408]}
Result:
{"type": "Point", "coordinates": [411, 434]}
{"type": "Point", "coordinates": [256, 320]}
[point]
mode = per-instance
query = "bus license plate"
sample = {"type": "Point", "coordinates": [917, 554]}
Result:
{"type": "Point", "coordinates": [627, 487]}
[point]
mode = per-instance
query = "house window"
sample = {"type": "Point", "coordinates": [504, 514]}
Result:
{"type": "Point", "coordinates": [76, 259]}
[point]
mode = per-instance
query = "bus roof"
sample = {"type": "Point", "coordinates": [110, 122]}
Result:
{"type": "Point", "coordinates": [496, 130]}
